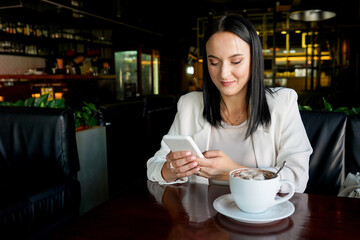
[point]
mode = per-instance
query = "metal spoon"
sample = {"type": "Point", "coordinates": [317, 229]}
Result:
{"type": "Point", "coordinates": [276, 174]}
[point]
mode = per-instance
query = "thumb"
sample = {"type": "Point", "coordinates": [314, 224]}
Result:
{"type": "Point", "coordinates": [213, 153]}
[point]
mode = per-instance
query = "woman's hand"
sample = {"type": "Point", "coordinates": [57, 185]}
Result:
{"type": "Point", "coordinates": [216, 165]}
{"type": "Point", "coordinates": [179, 165]}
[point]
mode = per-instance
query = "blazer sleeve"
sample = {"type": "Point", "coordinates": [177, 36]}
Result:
{"type": "Point", "coordinates": [292, 143]}
{"type": "Point", "coordinates": [155, 163]}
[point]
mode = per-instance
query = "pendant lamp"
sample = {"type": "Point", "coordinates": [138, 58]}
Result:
{"type": "Point", "coordinates": [311, 10]}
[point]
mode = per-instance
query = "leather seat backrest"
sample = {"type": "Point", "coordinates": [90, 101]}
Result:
{"type": "Point", "coordinates": [37, 142]}
{"type": "Point", "coordinates": [326, 132]}
{"type": "Point", "coordinates": [125, 139]}
{"type": "Point", "coordinates": [159, 113]}
{"type": "Point", "coordinates": [125, 128]}
{"type": "Point", "coordinates": [352, 155]}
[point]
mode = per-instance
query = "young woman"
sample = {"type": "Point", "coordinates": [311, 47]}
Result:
{"type": "Point", "coordinates": [236, 121]}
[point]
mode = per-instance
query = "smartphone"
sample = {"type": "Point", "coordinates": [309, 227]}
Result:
{"type": "Point", "coordinates": [182, 143]}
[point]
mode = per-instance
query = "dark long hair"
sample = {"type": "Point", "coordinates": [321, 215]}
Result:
{"type": "Point", "coordinates": [259, 109]}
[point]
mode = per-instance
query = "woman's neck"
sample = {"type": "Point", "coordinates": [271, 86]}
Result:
{"type": "Point", "coordinates": [234, 103]}
{"type": "Point", "coordinates": [234, 109]}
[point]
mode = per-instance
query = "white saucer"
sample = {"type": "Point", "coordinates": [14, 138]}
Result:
{"type": "Point", "coordinates": [226, 206]}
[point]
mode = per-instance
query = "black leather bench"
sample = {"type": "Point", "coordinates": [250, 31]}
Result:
{"type": "Point", "coordinates": [352, 149]}
{"type": "Point", "coordinates": [39, 189]}
{"type": "Point", "coordinates": [326, 132]}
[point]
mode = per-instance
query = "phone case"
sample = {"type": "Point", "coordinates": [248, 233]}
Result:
{"type": "Point", "coordinates": [182, 143]}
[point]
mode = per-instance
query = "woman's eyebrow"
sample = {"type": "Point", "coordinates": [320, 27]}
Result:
{"type": "Point", "coordinates": [212, 56]}
{"type": "Point", "coordinates": [234, 55]}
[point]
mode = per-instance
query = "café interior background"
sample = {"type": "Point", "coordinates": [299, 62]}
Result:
{"type": "Point", "coordinates": [309, 56]}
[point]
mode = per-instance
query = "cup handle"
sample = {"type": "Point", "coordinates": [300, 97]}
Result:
{"type": "Point", "coordinates": [289, 195]}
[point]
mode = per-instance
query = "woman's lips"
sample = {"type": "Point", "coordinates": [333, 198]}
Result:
{"type": "Point", "coordinates": [227, 83]}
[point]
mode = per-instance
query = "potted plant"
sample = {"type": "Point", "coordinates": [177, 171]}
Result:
{"type": "Point", "coordinates": [328, 107]}
{"type": "Point", "coordinates": [86, 117]}
{"type": "Point", "coordinates": [41, 101]}
{"type": "Point", "coordinates": [92, 150]}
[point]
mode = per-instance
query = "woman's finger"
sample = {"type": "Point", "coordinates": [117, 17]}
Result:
{"type": "Point", "coordinates": [178, 155]}
{"type": "Point", "coordinates": [187, 166]}
{"type": "Point", "coordinates": [213, 153]}
{"type": "Point", "coordinates": [191, 170]}
{"type": "Point", "coordinates": [203, 173]}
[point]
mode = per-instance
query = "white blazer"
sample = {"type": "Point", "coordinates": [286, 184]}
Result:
{"type": "Point", "coordinates": [285, 139]}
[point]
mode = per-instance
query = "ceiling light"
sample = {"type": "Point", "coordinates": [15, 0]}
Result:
{"type": "Point", "coordinates": [311, 10]}
{"type": "Point", "coordinates": [190, 70]}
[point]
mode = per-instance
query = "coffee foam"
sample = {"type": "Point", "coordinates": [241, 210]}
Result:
{"type": "Point", "coordinates": [252, 174]}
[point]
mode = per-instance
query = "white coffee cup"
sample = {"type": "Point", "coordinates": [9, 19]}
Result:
{"type": "Point", "coordinates": [257, 196]}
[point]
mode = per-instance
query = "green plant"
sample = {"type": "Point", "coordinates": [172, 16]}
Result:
{"type": "Point", "coordinates": [41, 101]}
{"type": "Point", "coordinates": [305, 108]}
{"type": "Point", "coordinates": [84, 118]}
{"type": "Point", "coordinates": [328, 107]}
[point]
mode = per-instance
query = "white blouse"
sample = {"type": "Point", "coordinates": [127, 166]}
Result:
{"type": "Point", "coordinates": [231, 140]}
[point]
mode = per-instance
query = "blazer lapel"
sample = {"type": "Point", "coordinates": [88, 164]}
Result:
{"type": "Point", "coordinates": [202, 138]}
{"type": "Point", "coordinates": [263, 145]}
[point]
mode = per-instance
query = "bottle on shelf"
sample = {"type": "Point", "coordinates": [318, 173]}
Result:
{"type": "Point", "coordinates": [19, 28]}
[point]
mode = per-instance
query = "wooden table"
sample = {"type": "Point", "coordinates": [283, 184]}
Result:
{"type": "Point", "coordinates": [146, 210]}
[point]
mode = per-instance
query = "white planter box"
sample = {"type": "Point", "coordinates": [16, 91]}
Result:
{"type": "Point", "coordinates": [93, 174]}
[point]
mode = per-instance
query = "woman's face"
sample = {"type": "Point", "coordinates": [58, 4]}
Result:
{"type": "Point", "coordinates": [229, 63]}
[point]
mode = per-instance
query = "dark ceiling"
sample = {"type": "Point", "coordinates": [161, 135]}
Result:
{"type": "Point", "coordinates": [164, 19]}
{"type": "Point", "coordinates": [157, 16]}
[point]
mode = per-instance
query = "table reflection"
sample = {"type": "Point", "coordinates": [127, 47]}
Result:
{"type": "Point", "coordinates": [194, 217]}
{"type": "Point", "coordinates": [151, 211]}
{"type": "Point", "coordinates": [190, 208]}
{"type": "Point", "coordinates": [238, 230]}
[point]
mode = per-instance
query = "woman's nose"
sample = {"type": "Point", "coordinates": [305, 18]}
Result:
{"type": "Point", "coordinates": [224, 71]}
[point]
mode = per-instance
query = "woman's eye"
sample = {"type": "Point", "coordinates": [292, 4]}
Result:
{"type": "Point", "coordinates": [236, 62]}
{"type": "Point", "coordinates": [214, 63]}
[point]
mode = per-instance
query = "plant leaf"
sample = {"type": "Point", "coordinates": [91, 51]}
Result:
{"type": "Point", "coordinates": [327, 105]}
{"type": "Point", "coordinates": [91, 106]}
{"type": "Point", "coordinates": [41, 101]}
{"type": "Point", "coordinates": [57, 103]}
{"type": "Point", "coordinates": [18, 103]}
{"type": "Point", "coordinates": [356, 110]}
{"type": "Point", "coordinates": [92, 122]}
{"type": "Point", "coordinates": [342, 109]}
{"type": "Point", "coordinates": [5, 103]}
{"type": "Point", "coordinates": [305, 108]}
{"type": "Point", "coordinates": [353, 111]}
{"type": "Point", "coordinates": [60, 103]}
{"type": "Point", "coordinates": [29, 102]}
